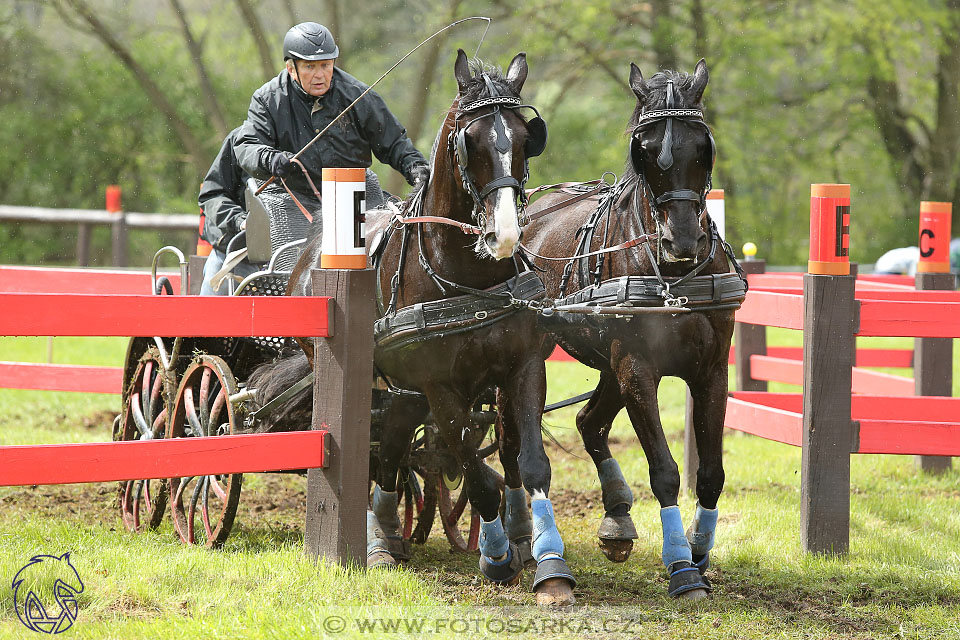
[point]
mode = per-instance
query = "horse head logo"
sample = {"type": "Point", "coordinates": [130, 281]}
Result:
{"type": "Point", "coordinates": [45, 593]}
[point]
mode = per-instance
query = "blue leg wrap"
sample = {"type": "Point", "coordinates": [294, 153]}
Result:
{"type": "Point", "coordinates": [385, 507]}
{"type": "Point", "coordinates": [546, 537]}
{"type": "Point", "coordinates": [376, 540]}
{"type": "Point", "coordinates": [675, 545]}
{"type": "Point", "coordinates": [493, 541]}
{"type": "Point", "coordinates": [516, 519]}
{"type": "Point", "coordinates": [701, 531]}
{"type": "Point", "coordinates": [616, 491]}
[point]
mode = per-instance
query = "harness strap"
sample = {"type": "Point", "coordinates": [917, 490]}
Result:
{"type": "Point", "coordinates": [497, 183]}
{"type": "Point", "coordinates": [623, 245]}
{"type": "Point", "coordinates": [469, 229]}
{"type": "Point", "coordinates": [565, 203]}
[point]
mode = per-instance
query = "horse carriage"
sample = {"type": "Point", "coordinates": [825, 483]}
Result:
{"type": "Point", "coordinates": [197, 387]}
{"type": "Point", "coordinates": [631, 278]}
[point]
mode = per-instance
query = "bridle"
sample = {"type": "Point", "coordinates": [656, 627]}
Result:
{"type": "Point", "coordinates": [457, 145]}
{"type": "Point", "coordinates": [665, 161]}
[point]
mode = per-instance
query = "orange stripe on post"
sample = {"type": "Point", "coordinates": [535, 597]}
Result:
{"type": "Point", "coordinates": [934, 237]}
{"type": "Point", "coordinates": [829, 229]}
{"type": "Point", "coordinates": [715, 194]}
{"type": "Point", "coordinates": [343, 262]}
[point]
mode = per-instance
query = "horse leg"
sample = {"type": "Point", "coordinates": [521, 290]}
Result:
{"type": "Point", "coordinates": [499, 558]}
{"type": "Point", "coordinates": [638, 386]}
{"type": "Point", "coordinates": [709, 405]}
{"type": "Point", "coordinates": [522, 399]}
{"type": "Point", "coordinates": [402, 418]}
{"type": "Point", "coordinates": [516, 513]}
{"type": "Point", "coordinates": [617, 532]}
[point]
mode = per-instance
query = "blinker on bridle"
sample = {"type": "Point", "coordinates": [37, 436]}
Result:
{"type": "Point", "coordinates": [534, 146]}
{"type": "Point", "coordinates": [665, 158]}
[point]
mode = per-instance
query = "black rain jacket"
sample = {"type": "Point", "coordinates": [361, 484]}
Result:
{"type": "Point", "coordinates": [282, 116]}
{"type": "Point", "coordinates": [221, 196]}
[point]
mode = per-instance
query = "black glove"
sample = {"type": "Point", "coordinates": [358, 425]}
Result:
{"type": "Point", "coordinates": [418, 173]}
{"type": "Point", "coordinates": [281, 164]}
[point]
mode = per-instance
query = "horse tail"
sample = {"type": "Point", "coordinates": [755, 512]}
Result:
{"type": "Point", "coordinates": [272, 379]}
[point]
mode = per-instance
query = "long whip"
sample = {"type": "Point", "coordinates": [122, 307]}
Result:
{"type": "Point", "coordinates": [385, 74]}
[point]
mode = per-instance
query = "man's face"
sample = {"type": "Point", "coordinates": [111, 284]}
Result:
{"type": "Point", "coordinates": [314, 75]}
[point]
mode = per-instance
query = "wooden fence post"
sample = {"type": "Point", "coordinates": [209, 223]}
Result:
{"type": "Point", "coordinates": [336, 525]}
{"type": "Point", "coordinates": [119, 226]}
{"type": "Point", "coordinates": [933, 357]}
{"type": "Point", "coordinates": [830, 321]}
{"type": "Point", "coordinates": [933, 366]}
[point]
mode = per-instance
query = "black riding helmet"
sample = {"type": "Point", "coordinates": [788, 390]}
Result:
{"type": "Point", "coordinates": [309, 41]}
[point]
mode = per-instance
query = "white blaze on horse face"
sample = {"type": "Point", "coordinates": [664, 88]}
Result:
{"type": "Point", "coordinates": [507, 227]}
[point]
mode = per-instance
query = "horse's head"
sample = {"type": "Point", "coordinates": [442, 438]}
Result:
{"type": "Point", "coordinates": [490, 143]}
{"type": "Point", "coordinates": [672, 152]}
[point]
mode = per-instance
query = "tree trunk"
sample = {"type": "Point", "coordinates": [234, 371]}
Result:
{"type": "Point", "coordinates": [942, 183]}
{"type": "Point", "coordinates": [267, 62]}
{"type": "Point", "coordinates": [664, 35]}
{"type": "Point", "coordinates": [334, 22]}
{"type": "Point", "coordinates": [428, 70]}
{"type": "Point", "coordinates": [190, 142]}
{"type": "Point", "coordinates": [292, 13]}
{"type": "Point", "coordinates": [207, 94]}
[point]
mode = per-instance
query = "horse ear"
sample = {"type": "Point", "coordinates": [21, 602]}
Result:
{"type": "Point", "coordinates": [700, 78]}
{"type": "Point", "coordinates": [637, 84]}
{"type": "Point", "coordinates": [517, 72]}
{"type": "Point", "coordinates": [461, 71]}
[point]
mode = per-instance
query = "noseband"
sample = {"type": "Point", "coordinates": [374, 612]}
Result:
{"type": "Point", "coordinates": [457, 143]}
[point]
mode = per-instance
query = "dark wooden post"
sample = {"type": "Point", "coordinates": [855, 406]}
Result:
{"type": "Point", "coordinates": [933, 365]}
{"type": "Point", "coordinates": [119, 226]}
{"type": "Point", "coordinates": [748, 340]}
{"type": "Point", "coordinates": [336, 524]}
{"type": "Point", "coordinates": [830, 321]}
{"type": "Point", "coordinates": [83, 245]}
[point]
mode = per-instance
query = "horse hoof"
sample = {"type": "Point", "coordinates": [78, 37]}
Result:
{"type": "Point", "coordinates": [686, 581]}
{"type": "Point", "coordinates": [693, 594]}
{"type": "Point", "coordinates": [615, 550]}
{"type": "Point", "coordinates": [503, 572]}
{"type": "Point", "coordinates": [399, 548]}
{"type": "Point", "coordinates": [555, 592]}
{"type": "Point", "coordinates": [380, 559]}
{"type": "Point", "coordinates": [526, 555]}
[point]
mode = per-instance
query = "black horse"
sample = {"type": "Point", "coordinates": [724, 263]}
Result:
{"type": "Point", "coordinates": [455, 322]}
{"type": "Point", "coordinates": [663, 254]}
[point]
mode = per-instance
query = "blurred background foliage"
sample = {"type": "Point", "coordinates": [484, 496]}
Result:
{"type": "Point", "coordinates": [141, 92]}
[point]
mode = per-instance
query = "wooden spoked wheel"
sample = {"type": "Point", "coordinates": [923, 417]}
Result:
{"type": "Point", "coordinates": [204, 507]}
{"type": "Point", "coordinates": [144, 417]}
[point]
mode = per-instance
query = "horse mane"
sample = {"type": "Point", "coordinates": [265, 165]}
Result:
{"type": "Point", "coordinates": [656, 98]}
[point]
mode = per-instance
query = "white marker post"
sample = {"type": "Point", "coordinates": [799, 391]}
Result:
{"type": "Point", "coordinates": [716, 208]}
{"type": "Point", "coordinates": [344, 219]}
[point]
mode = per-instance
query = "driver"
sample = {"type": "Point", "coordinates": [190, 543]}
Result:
{"type": "Point", "coordinates": [289, 110]}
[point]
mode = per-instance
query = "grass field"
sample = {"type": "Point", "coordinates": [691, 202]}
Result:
{"type": "Point", "coordinates": [901, 579]}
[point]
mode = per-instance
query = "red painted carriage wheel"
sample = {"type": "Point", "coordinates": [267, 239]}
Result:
{"type": "Point", "coordinates": [144, 417]}
{"type": "Point", "coordinates": [204, 507]}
